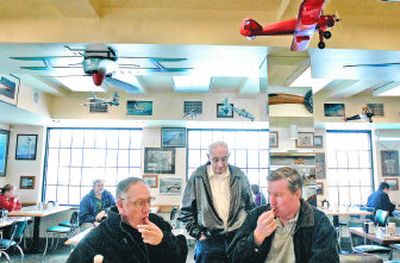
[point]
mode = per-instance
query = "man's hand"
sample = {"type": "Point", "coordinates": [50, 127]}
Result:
{"type": "Point", "coordinates": [266, 225]}
{"type": "Point", "coordinates": [151, 233]}
{"type": "Point", "coordinates": [202, 237]}
{"type": "Point", "coordinates": [100, 215]}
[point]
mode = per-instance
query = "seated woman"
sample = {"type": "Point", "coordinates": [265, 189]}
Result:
{"type": "Point", "coordinates": [259, 197]}
{"type": "Point", "coordinates": [8, 199]}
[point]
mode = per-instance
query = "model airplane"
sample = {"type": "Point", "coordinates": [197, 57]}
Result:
{"type": "Point", "coordinates": [366, 115]}
{"type": "Point", "coordinates": [309, 19]}
{"type": "Point", "coordinates": [114, 100]}
{"type": "Point", "coordinates": [228, 107]}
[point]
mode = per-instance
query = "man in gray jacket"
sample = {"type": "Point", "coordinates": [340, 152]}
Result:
{"type": "Point", "coordinates": [216, 201]}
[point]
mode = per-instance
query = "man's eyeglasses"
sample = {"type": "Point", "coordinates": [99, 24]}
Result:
{"type": "Point", "coordinates": [140, 202]}
{"type": "Point", "coordinates": [218, 159]}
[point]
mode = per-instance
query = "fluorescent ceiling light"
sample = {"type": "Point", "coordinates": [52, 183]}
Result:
{"type": "Point", "coordinates": [389, 89]}
{"type": "Point", "coordinates": [305, 80]}
{"type": "Point", "coordinates": [80, 84]}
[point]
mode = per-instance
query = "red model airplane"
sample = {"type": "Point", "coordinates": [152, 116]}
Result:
{"type": "Point", "coordinates": [309, 20]}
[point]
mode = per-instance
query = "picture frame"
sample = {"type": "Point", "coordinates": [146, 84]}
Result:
{"type": "Point", "coordinates": [9, 89]}
{"type": "Point", "coordinates": [305, 140]}
{"type": "Point", "coordinates": [273, 139]}
{"type": "Point", "coordinates": [377, 108]}
{"type": "Point", "coordinates": [320, 188]}
{"type": "Point", "coordinates": [26, 147]}
{"type": "Point", "coordinates": [173, 137]}
{"type": "Point", "coordinates": [393, 183]}
{"type": "Point", "coordinates": [223, 111]}
{"type": "Point", "coordinates": [334, 109]}
{"type": "Point", "coordinates": [4, 141]}
{"type": "Point", "coordinates": [318, 141]}
{"type": "Point", "coordinates": [390, 163]}
{"type": "Point", "coordinates": [170, 186]}
{"type": "Point", "coordinates": [320, 172]}
{"type": "Point", "coordinates": [151, 180]}
{"type": "Point", "coordinates": [139, 107]}
{"type": "Point", "coordinates": [27, 182]}
{"type": "Point", "coordinates": [159, 160]}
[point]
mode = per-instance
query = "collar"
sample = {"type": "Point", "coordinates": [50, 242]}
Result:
{"type": "Point", "coordinates": [211, 173]}
{"type": "Point", "coordinates": [305, 215]}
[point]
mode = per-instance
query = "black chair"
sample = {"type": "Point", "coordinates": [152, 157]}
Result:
{"type": "Point", "coordinates": [17, 234]}
{"type": "Point", "coordinates": [61, 231]}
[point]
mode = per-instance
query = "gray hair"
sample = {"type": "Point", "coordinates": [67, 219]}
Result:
{"type": "Point", "coordinates": [97, 181]}
{"type": "Point", "coordinates": [123, 186]}
{"type": "Point", "coordinates": [215, 145]}
{"type": "Point", "coordinates": [294, 180]}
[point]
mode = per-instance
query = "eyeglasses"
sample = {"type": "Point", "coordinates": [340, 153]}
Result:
{"type": "Point", "coordinates": [140, 202]}
{"type": "Point", "coordinates": [218, 159]}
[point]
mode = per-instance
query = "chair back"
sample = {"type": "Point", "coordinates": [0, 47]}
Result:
{"type": "Point", "coordinates": [17, 231]}
{"type": "Point", "coordinates": [381, 217]}
{"type": "Point", "coordinates": [73, 220]}
{"type": "Point", "coordinates": [173, 214]}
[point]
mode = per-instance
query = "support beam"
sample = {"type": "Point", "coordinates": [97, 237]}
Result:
{"type": "Point", "coordinates": [77, 8]}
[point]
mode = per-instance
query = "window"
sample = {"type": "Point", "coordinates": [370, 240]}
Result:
{"type": "Point", "coordinates": [75, 157]}
{"type": "Point", "coordinates": [248, 148]}
{"type": "Point", "coordinates": [349, 167]}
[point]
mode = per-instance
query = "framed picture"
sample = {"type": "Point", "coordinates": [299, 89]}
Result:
{"type": "Point", "coordinates": [273, 139]}
{"type": "Point", "coordinates": [9, 89]}
{"type": "Point", "coordinates": [223, 111]}
{"type": "Point", "coordinates": [393, 183]}
{"type": "Point", "coordinates": [139, 108]}
{"type": "Point", "coordinates": [170, 186]}
{"type": "Point", "coordinates": [320, 188]}
{"type": "Point", "coordinates": [320, 166]}
{"type": "Point", "coordinates": [173, 137]}
{"type": "Point", "coordinates": [334, 109]}
{"type": "Point", "coordinates": [305, 140]}
{"type": "Point", "coordinates": [318, 141]}
{"type": "Point", "coordinates": [4, 139]}
{"type": "Point", "coordinates": [151, 180]}
{"type": "Point", "coordinates": [159, 160]}
{"type": "Point", "coordinates": [390, 163]}
{"type": "Point", "coordinates": [377, 109]}
{"type": "Point", "coordinates": [27, 182]}
{"type": "Point", "coordinates": [26, 147]}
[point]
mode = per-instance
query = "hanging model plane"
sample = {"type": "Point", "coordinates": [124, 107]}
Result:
{"type": "Point", "coordinates": [114, 100]}
{"type": "Point", "coordinates": [228, 107]}
{"type": "Point", "coordinates": [365, 115]}
{"type": "Point", "coordinates": [309, 20]}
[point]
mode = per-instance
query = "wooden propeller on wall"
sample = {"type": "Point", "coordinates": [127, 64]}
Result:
{"type": "Point", "coordinates": [284, 98]}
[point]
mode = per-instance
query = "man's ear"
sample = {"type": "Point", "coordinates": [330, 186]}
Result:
{"type": "Point", "coordinates": [119, 206]}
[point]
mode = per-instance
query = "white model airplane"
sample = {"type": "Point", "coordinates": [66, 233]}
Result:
{"type": "Point", "coordinates": [114, 100]}
{"type": "Point", "coordinates": [227, 107]}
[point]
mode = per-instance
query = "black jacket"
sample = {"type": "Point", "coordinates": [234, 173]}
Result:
{"type": "Point", "coordinates": [314, 238]}
{"type": "Point", "coordinates": [198, 212]}
{"type": "Point", "coordinates": [119, 242]}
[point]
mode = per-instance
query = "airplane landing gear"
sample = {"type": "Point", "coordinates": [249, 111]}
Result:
{"type": "Point", "coordinates": [321, 45]}
{"type": "Point", "coordinates": [327, 34]}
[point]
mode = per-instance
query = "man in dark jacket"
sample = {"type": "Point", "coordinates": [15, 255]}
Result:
{"type": "Point", "coordinates": [380, 199]}
{"type": "Point", "coordinates": [286, 230]}
{"type": "Point", "coordinates": [132, 234]}
{"type": "Point", "coordinates": [216, 201]}
{"type": "Point", "coordinates": [93, 206]}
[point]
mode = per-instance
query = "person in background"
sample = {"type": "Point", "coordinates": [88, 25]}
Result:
{"type": "Point", "coordinates": [93, 206]}
{"type": "Point", "coordinates": [288, 229]}
{"type": "Point", "coordinates": [259, 197]}
{"type": "Point", "coordinates": [380, 199]}
{"type": "Point", "coordinates": [216, 201]}
{"type": "Point", "coordinates": [8, 199]}
{"type": "Point", "coordinates": [131, 233]}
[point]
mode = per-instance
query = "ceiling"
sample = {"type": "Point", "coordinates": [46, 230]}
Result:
{"type": "Point", "coordinates": [205, 35]}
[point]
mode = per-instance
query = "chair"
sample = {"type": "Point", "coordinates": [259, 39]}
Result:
{"type": "Point", "coordinates": [67, 223]}
{"type": "Point", "coordinates": [381, 217]}
{"type": "Point", "coordinates": [61, 231]}
{"type": "Point", "coordinates": [17, 234]}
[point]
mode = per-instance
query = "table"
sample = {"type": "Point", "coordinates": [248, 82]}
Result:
{"type": "Point", "coordinates": [9, 220]}
{"type": "Point", "coordinates": [33, 211]}
{"type": "Point", "coordinates": [345, 212]}
{"type": "Point", "coordinates": [74, 241]}
{"type": "Point", "coordinates": [376, 238]}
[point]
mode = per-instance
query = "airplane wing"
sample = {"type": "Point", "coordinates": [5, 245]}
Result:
{"type": "Point", "coordinates": [309, 13]}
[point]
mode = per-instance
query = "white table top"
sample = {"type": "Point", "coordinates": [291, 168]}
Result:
{"type": "Point", "coordinates": [9, 220]}
{"type": "Point", "coordinates": [35, 212]}
{"type": "Point", "coordinates": [74, 241]}
{"type": "Point", "coordinates": [342, 211]}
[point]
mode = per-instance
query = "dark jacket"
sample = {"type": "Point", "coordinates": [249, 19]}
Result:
{"type": "Point", "coordinates": [119, 242]}
{"type": "Point", "coordinates": [87, 207]}
{"type": "Point", "coordinates": [198, 212]}
{"type": "Point", "coordinates": [314, 238]}
{"type": "Point", "coordinates": [380, 200]}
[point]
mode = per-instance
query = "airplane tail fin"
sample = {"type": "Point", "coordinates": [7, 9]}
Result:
{"type": "Point", "coordinates": [249, 26]}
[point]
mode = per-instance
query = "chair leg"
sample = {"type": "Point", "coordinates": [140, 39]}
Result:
{"type": "Point", "coordinates": [47, 245]}
{"type": "Point", "coordinates": [6, 255]}
{"type": "Point", "coordinates": [22, 253]}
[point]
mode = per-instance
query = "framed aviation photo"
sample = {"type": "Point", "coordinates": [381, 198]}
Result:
{"type": "Point", "coordinates": [26, 147]}
{"type": "Point", "coordinates": [173, 137]}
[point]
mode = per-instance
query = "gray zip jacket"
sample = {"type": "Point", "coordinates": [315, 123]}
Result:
{"type": "Point", "coordinates": [198, 212]}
